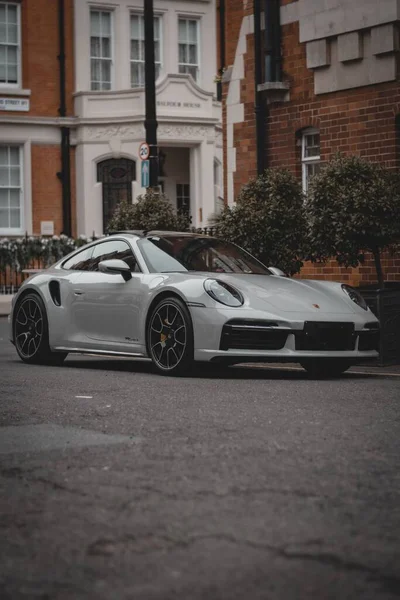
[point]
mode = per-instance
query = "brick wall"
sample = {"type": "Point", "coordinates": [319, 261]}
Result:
{"type": "Point", "coordinates": [41, 75]}
{"type": "Point", "coordinates": [46, 188]}
{"type": "Point", "coordinates": [40, 48]}
{"type": "Point", "coordinates": [359, 121]}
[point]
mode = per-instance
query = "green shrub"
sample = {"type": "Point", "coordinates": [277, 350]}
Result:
{"type": "Point", "coordinates": [23, 252]}
{"type": "Point", "coordinates": [152, 210]}
{"type": "Point", "coordinates": [353, 206]}
{"type": "Point", "coordinates": [268, 220]}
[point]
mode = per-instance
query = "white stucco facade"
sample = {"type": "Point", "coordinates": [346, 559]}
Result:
{"type": "Point", "coordinates": [110, 123]}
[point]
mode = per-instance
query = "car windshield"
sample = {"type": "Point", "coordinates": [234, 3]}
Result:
{"type": "Point", "coordinates": [175, 253]}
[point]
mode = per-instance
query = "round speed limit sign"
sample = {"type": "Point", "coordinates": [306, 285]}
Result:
{"type": "Point", "coordinates": [144, 151]}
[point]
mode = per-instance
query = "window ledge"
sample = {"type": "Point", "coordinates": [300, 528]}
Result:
{"type": "Point", "coordinates": [12, 91]}
{"type": "Point", "coordinates": [6, 233]}
{"type": "Point", "coordinates": [275, 91]}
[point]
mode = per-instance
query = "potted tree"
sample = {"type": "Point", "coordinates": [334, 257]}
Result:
{"type": "Point", "coordinates": [353, 208]}
{"type": "Point", "coordinates": [268, 220]}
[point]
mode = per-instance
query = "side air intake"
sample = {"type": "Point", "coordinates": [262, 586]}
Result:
{"type": "Point", "coordinates": [55, 293]}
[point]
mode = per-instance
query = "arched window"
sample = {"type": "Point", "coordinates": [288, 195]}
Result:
{"type": "Point", "coordinates": [310, 155]}
{"type": "Point", "coordinates": [116, 175]}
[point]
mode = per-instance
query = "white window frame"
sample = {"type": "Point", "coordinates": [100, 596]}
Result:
{"type": "Point", "coordinates": [197, 20]}
{"type": "Point", "coordinates": [308, 160]}
{"type": "Point", "coordinates": [160, 41]}
{"type": "Point", "coordinates": [218, 195]}
{"type": "Point", "coordinates": [18, 84]}
{"type": "Point", "coordinates": [9, 231]}
{"type": "Point", "coordinates": [102, 9]}
{"type": "Point", "coordinates": [183, 197]}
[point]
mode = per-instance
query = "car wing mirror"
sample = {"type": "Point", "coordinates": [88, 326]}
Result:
{"type": "Point", "coordinates": [277, 272]}
{"type": "Point", "coordinates": [116, 267]}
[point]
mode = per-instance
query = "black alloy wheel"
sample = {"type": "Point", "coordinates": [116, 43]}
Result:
{"type": "Point", "coordinates": [31, 335]}
{"type": "Point", "coordinates": [321, 368]}
{"type": "Point", "coordinates": [170, 337]}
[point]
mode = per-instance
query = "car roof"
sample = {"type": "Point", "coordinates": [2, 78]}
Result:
{"type": "Point", "coordinates": [161, 233]}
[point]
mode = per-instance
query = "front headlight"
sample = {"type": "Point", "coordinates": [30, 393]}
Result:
{"type": "Point", "coordinates": [223, 292]}
{"type": "Point", "coordinates": [355, 296]}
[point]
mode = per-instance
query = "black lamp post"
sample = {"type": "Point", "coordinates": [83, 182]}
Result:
{"type": "Point", "coordinates": [150, 91]}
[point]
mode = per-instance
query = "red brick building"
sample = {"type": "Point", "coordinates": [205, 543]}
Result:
{"type": "Point", "coordinates": [327, 80]}
{"type": "Point", "coordinates": [36, 106]}
{"type": "Point", "coordinates": [72, 111]}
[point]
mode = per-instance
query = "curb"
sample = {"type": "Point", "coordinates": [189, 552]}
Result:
{"type": "Point", "coordinates": [390, 371]}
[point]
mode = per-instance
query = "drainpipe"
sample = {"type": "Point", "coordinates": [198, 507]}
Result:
{"type": "Point", "coordinates": [221, 47]}
{"type": "Point", "coordinates": [259, 106]}
{"type": "Point", "coordinates": [65, 174]}
{"type": "Point", "coordinates": [273, 54]}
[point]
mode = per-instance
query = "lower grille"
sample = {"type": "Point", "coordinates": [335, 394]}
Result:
{"type": "Point", "coordinates": [368, 340]}
{"type": "Point", "coordinates": [326, 336]}
{"type": "Point", "coordinates": [252, 337]}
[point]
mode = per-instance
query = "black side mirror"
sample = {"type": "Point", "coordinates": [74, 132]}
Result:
{"type": "Point", "coordinates": [116, 267]}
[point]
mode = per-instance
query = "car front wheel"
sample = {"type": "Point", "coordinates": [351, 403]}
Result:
{"type": "Point", "coordinates": [31, 332]}
{"type": "Point", "coordinates": [323, 368]}
{"type": "Point", "coordinates": [170, 337]}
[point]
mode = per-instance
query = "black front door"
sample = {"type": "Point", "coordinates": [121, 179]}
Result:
{"type": "Point", "coordinates": [116, 176]}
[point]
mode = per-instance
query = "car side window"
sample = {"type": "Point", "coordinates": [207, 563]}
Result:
{"type": "Point", "coordinates": [113, 249]}
{"type": "Point", "coordinates": [81, 261]}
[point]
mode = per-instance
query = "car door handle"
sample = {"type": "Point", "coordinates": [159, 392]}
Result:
{"type": "Point", "coordinates": [79, 292]}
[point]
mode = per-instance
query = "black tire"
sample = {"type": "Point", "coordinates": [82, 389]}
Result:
{"type": "Point", "coordinates": [169, 337]}
{"type": "Point", "coordinates": [326, 367]}
{"type": "Point", "coordinates": [31, 332]}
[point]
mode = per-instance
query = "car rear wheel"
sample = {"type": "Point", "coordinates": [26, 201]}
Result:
{"type": "Point", "coordinates": [31, 332]}
{"type": "Point", "coordinates": [170, 337]}
{"type": "Point", "coordinates": [330, 367]}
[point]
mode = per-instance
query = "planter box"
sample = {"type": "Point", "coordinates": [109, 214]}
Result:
{"type": "Point", "coordinates": [385, 304]}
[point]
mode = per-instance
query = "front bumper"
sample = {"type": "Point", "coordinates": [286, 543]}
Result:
{"type": "Point", "coordinates": [270, 338]}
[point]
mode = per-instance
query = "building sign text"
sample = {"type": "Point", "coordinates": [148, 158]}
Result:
{"type": "Point", "coordinates": [176, 104]}
{"type": "Point", "coordinates": [14, 104]}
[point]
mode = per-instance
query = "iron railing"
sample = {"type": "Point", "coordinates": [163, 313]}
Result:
{"type": "Point", "coordinates": [15, 262]}
{"type": "Point", "coordinates": [12, 277]}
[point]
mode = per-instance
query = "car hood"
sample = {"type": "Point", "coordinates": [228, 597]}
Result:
{"type": "Point", "coordinates": [291, 295]}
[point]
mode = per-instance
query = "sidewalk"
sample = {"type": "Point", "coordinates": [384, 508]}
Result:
{"type": "Point", "coordinates": [5, 304]}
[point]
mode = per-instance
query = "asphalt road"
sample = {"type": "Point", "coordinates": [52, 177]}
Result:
{"type": "Point", "coordinates": [116, 483]}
